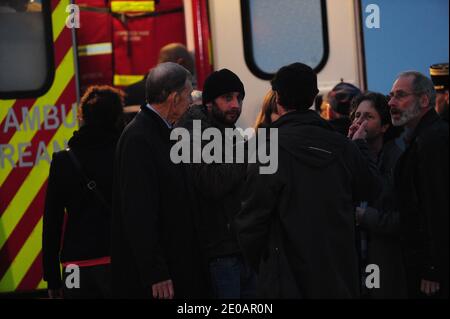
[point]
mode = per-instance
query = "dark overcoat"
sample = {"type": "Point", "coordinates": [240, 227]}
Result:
{"type": "Point", "coordinates": [297, 226]}
{"type": "Point", "coordinates": [153, 229]}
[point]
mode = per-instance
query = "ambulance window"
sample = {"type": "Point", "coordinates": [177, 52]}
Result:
{"type": "Point", "coordinates": [26, 48]}
{"type": "Point", "coordinates": [277, 33]}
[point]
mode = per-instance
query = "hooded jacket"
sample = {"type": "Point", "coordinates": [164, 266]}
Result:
{"type": "Point", "coordinates": [297, 226]}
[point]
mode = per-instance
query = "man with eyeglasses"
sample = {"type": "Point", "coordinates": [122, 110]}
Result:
{"type": "Point", "coordinates": [422, 185]}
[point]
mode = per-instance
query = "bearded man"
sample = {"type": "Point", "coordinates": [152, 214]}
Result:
{"type": "Point", "coordinates": [421, 185]}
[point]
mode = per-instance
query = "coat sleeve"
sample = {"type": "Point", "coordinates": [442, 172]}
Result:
{"type": "Point", "coordinates": [432, 188]}
{"type": "Point", "coordinates": [216, 180]}
{"type": "Point", "coordinates": [140, 211]}
{"type": "Point", "coordinates": [253, 221]}
{"type": "Point", "coordinates": [52, 224]}
{"type": "Point", "coordinates": [367, 181]}
{"type": "Point", "coordinates": [381, 222]}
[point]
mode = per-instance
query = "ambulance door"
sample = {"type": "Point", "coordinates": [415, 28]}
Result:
{"type": "Point", "coordinates": [38, 100]}
{"type": "Point", "coordinates": [254, 38]}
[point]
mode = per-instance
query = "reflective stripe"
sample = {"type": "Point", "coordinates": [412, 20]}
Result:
{"type": "Point", "coordinates": [125, 80]}
{"type": "Point", "coordinates": [437, 72]}
{"type": "Point", "coordinates": [131, 109]}
{"type": "Point", "coordinates": [95, 49]}
{"type": "Point", "coordinates": [132, 6]}
{"type": "Point", "coordinates": [30, 187]}
{"type": "Point", "coordinates": [19, 267]}
{"type": "Point", "coordinates": [63, 75]}
{"type": "Point", "coordinates": [59, 16]}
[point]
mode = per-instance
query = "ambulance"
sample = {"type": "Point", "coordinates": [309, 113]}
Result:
{"type": "Point", "coordinates": [52, 50]}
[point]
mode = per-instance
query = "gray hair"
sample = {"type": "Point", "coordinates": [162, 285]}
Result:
{"type": "Point", "coordinates": [422, 84]}
{"type": "Point", "coordinates": [164, 79]}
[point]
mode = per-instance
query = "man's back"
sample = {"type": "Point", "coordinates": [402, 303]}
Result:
{"type": "Point", "coordinates": [312, 232]}
{"type": "Point", "coordinates": [153, 229]}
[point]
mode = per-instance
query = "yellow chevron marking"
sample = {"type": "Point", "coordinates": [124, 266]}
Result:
{"type": "Point", "coordinates": [23, 261]}
{"type": "Point", "coordinates": [59, 21]}
{"type": "Point", "coordinates": [64, 73]}
{"type": "Point", "coordinates": [30, 188]}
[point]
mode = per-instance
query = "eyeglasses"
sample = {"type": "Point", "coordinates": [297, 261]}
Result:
{"type": "Point", "coordinates": [398, 95]}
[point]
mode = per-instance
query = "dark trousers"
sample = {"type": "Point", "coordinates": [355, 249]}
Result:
{"type": "Point", "coordinates": [94, 283]}
{"type": "Point", "coordinates": [231, 278]}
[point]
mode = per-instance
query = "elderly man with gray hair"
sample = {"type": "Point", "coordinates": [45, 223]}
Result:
{"type": "Point", "coordinates": [155, 251]}
{"type": "Point", "coordinates": [421, 184]}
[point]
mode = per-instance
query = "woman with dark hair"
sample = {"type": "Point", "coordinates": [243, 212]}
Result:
{"type": "Point", "coordinates": [76, 226]}
{"type": "Point", "coordinates": [379, 220]}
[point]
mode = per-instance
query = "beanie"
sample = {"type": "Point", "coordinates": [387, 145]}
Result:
{"type": "Point", "coordinates": [219, 83]}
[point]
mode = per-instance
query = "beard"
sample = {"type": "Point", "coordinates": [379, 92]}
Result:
{"type": "Point", "coordinates": [405, 116]}
{"type": "Point", "coordinates": [227, 118]}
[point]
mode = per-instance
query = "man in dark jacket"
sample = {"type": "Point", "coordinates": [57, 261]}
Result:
{"type": "Point", "coordinates": [421, 182]}
{"type": "Point", "coordinates": [218, 187]}
{"type": "Point", "coordinates": [304, 246]}
{"type": "Point", "coordinates": [154, 244]}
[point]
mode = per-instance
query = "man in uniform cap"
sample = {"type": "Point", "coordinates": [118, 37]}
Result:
{"type": "Point", "coordinates": [439, 75]}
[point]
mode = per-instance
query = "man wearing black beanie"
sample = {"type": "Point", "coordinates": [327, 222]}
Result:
{"type": "Point", "coordinates": [304, 246]}
{"type": "Point", "coordinates": [218, 188]}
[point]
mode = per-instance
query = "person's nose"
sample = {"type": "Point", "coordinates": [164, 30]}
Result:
{"type": "Point", "coordinates": [392, 101]}
{"type": "Point", "coordinates": [234, 104]}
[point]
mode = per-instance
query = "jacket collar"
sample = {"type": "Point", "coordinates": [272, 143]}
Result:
{"type": "Point", "coordinates": [151, 115]}
{"type": "Point", "coordinates": [301, 117]}
{"type": "Point", "coordinates": [427, 120]}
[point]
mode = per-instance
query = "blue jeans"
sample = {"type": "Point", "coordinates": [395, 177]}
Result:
{"type": "Point", "coordinates": [231, 278]}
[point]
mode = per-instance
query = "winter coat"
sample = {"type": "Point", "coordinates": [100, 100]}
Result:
{"type": "Point", "coordinates": [87, 230]}
{"type": "Point", "coordinates": [218, 188]}
{"type": "Point", "coordinates": [422, 186]}
{"type": "Point", "coordinates": [153, 233]}
{"type": "Point", "coordinates": [302, 243]}
{"type": "Point", "coordinates": [381, 221]}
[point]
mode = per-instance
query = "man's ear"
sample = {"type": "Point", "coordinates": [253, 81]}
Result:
{"type": "Point", "coordinates": [174, 98]}
{"type": "Point", "coordinates": [424, 101]}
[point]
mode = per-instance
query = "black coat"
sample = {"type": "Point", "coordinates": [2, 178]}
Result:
{"type": "Point", "coordinates": [341, 125]}
{"type": "Point", "coordinates": [298, 226]}
{"type": "Point", "coordinates": [422, 186]}
{"type": "Point", "coordinates": [153, 236]}
{"type": "Point", "coordinates": [87, 231]}
{"type": "Point", "coordinates": [381, 221]}
{"type": "Point", "coordinates": [218, 188]}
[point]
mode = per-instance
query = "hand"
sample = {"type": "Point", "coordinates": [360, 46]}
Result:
{"type": "Point", "coordinates": [163, 290]}
{"type": "Point", "coordinates": [429, 287]}
{"type": "Point", "coordinates": [358, 131]}
{"type": "Point", "coordinates": [55, 293]}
